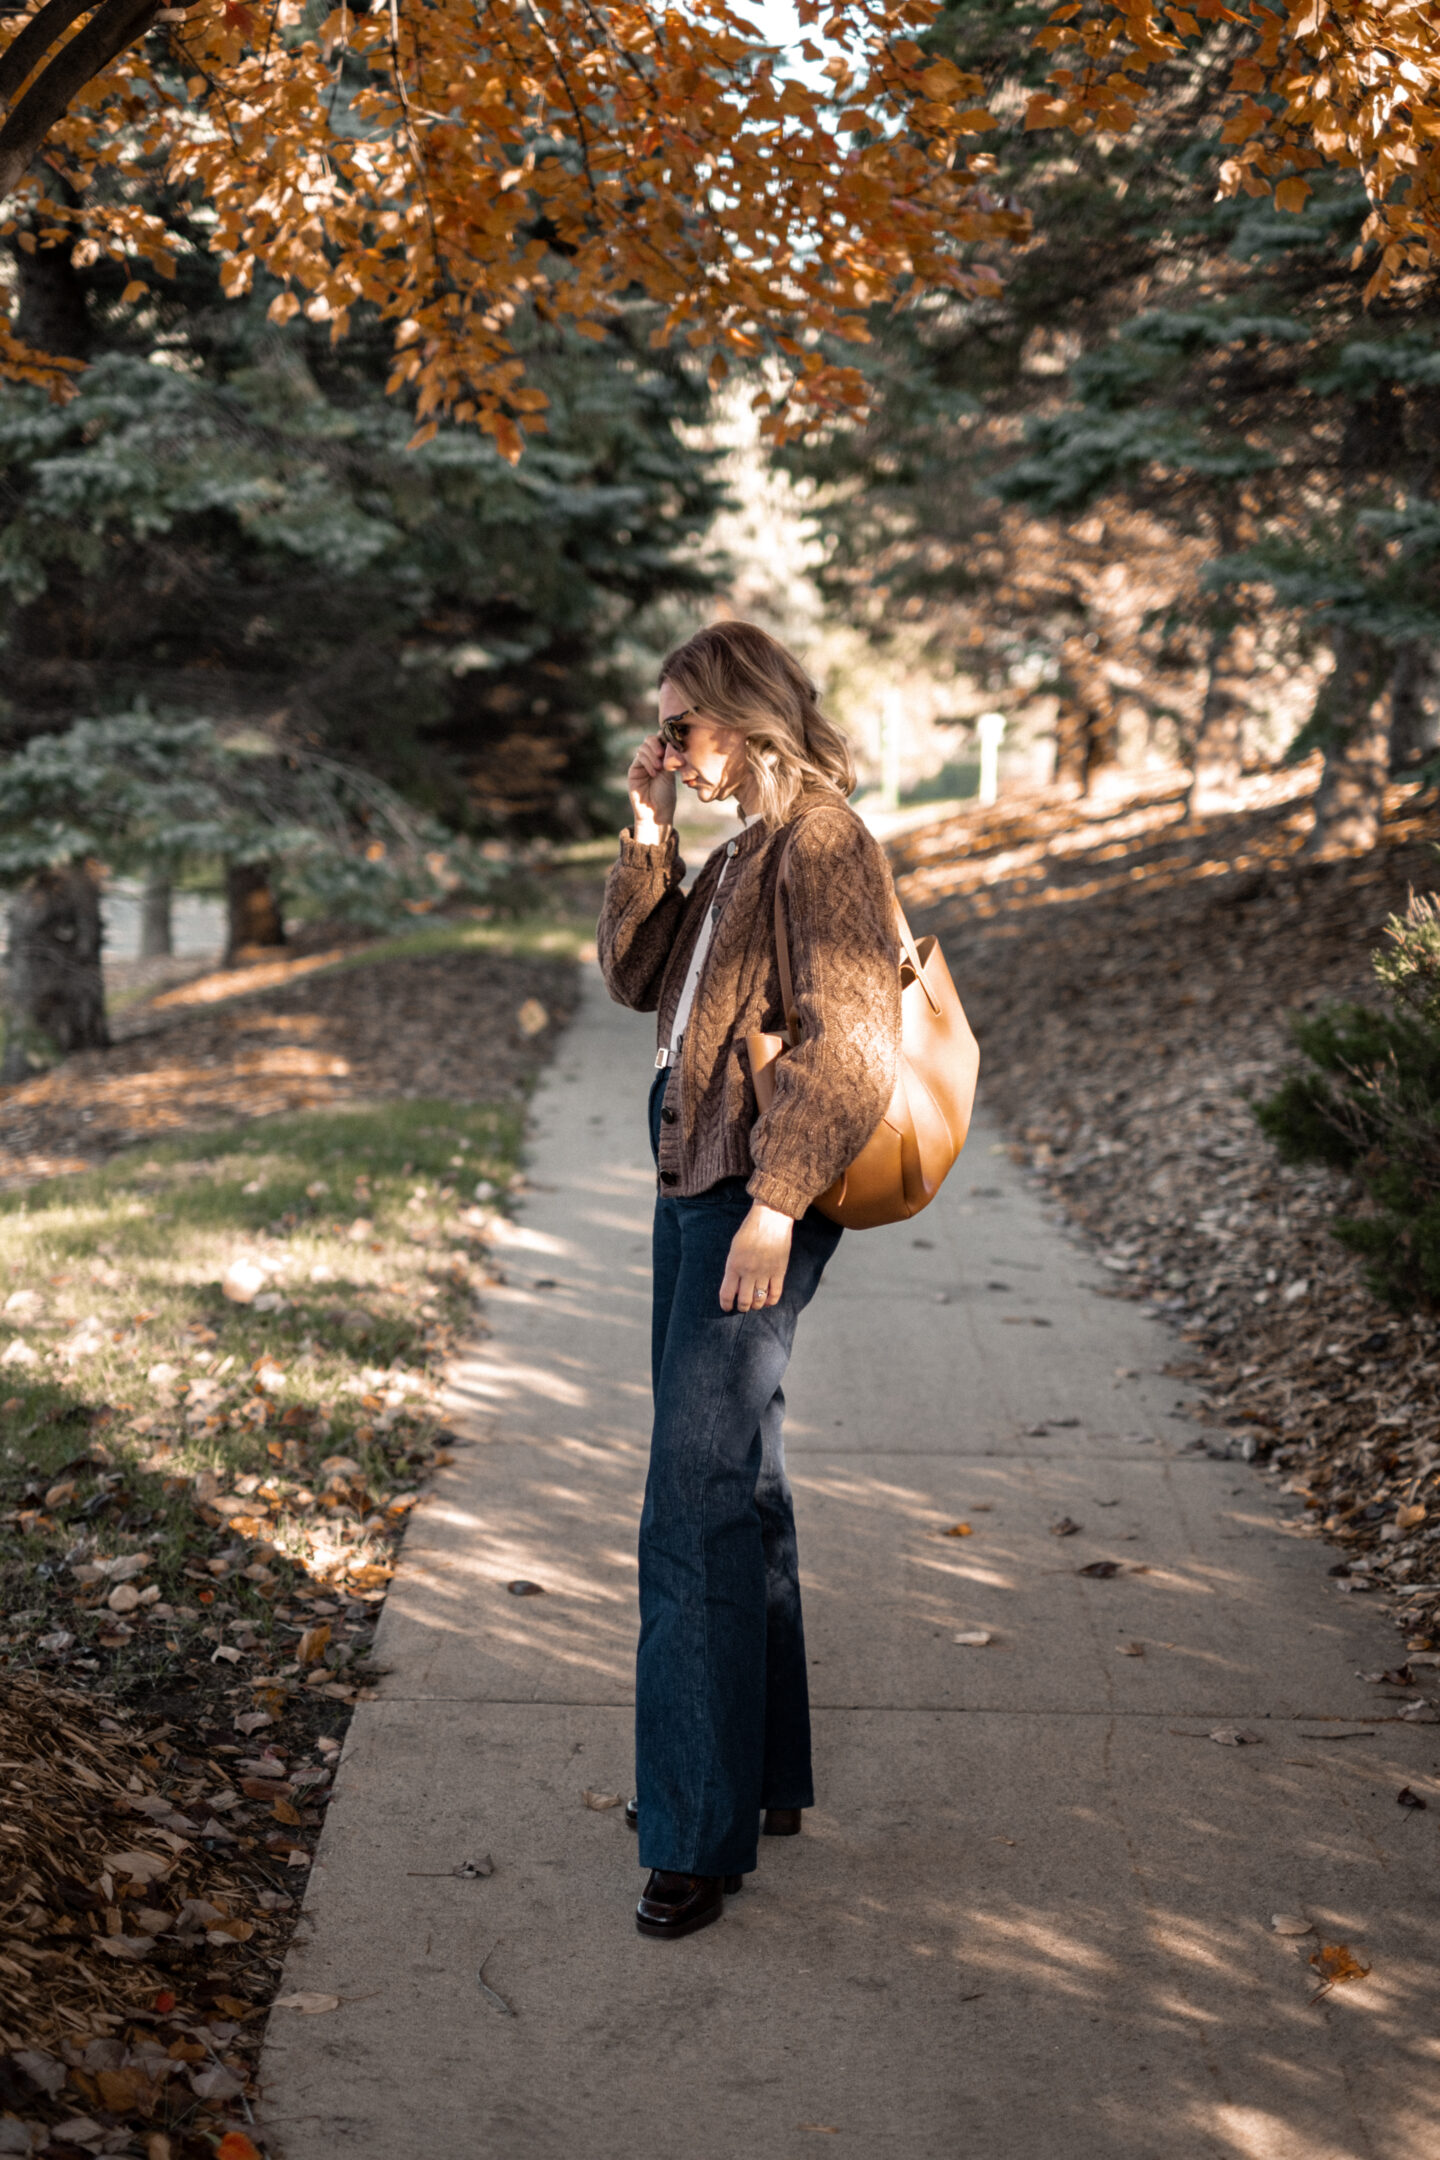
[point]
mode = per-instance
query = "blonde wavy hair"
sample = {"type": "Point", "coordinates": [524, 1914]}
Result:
{"type": "Point", "coordinates": [737, 675]}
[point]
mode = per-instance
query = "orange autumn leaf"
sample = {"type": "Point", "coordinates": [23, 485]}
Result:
{"type": "Point", "coordinates": [1336, 1963]}
{"type": "Point", "coordinates": [236, 2146]}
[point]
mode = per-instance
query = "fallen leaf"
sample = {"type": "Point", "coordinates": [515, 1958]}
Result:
{"type": "Point", "coordinates": [307, 2004]}
{"type": "Point", "coordinates": [975, 1638]}
{"type": "Point", "coordinates": [141, 1867]}
{"type": "Point", "coordinates": [236, 2146]}
{"type": "Point", "coordinates": [1407, 1519]}
{"type": "Point", "coordinates": [1234, 1736]}
{"type": "Point", "coordinates": [602, 1800]}
{"type": "Point", "coordinates": [241, 1280]}
{"type": "Point", "coordinates": [1065, 1527]}
{"type": "Point", "coordinates": [526, 1589]}
{"type": "Point", "coordinates": [1286, 1923]}
{"type": "Point", "coordinates": [532, 1018]}
{"type": "Point", "coordinates": [1409, 1798]}
{"type": "Point", "coordinates": [216, 2083]}
{"type": "Point", "coordinates": [42, 2069]}
{"type": "Point", "coordinates": [1101, 1569]}
{"type": "Point", "coordinates": [121, 2090]}
{"type": "Point", "coordinates": [1131, 1649]}
{"type": "Point", "coordinates": [1336, 1963]}
{"type": "Point", "coordinates": [959, 1529]}
{"type": "Point", "coordinates": [59, 1494]}
{"type": "Point", "coordinates": [313, 1644]}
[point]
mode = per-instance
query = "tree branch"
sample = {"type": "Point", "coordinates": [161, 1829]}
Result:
{"type": "Point", "coordinates": [21, 58]}
{"type": "Point", "coordinates": [114, 25]}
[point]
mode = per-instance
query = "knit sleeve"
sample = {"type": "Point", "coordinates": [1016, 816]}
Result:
{"type": "Point", "coordinates": [834, 1086]}
{"type": "Point", "coordinates": [639, 919]}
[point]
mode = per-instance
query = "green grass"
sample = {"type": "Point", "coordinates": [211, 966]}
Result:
{"type": "Point", "coordinates": [113, 1281]}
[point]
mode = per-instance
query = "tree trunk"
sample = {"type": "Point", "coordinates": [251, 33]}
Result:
{"type": "Point", "coordinates": [1218, 749]}
{"type": "Point", "coordinates": [254, 908]}
{"type": "Point", "coordinates": [1353, 723]}
{"type": "Point", "coordinates": [1087, 732]}
{"type": "Point", "coordinates": [52, 315]}
{"type": "Point", "coordinates": [1415, 696]}
{"type": "Point", "coordinates": [55, 993]}
{"type": "Point", "coordinates": [156, 938]}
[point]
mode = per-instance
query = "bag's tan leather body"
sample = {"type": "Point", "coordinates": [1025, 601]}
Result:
{"type": "Point", "coordinates": [912, 1150]}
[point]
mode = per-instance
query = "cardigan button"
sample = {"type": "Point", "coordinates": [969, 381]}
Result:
{"type": "Point", "coordinates": [668, 1116]}
{"type": "Point", "coordinates": [669, 1177]}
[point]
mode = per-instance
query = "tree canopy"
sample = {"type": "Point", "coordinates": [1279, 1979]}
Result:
{"type": "Point", "coordinates": [224, 520]}
{"type": "Point", "coordinates": [449, 167]}
{"type": "Point", "coordinates": [1180, 467]}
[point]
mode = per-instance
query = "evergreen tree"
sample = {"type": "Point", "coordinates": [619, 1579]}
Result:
{"type": "Point", "coordinates": [226, 520]}
{"type": "Point", "coordinates": [1177, 436]}
{"type": "Point", "coordinates": [149, 794]}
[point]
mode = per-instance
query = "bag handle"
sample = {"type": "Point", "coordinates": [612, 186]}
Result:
{"type": "Point", "coordinates": [782, 948]}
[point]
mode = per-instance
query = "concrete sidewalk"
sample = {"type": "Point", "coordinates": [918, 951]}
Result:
{"type": "Point", "coordinates": [1029, 1918]}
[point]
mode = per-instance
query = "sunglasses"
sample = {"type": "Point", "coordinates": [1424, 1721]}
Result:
{"type": "Point", "coordinates": [674, 729]}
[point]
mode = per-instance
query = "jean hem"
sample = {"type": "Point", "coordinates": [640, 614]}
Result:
{"type": "Point", "coordinates": [745, 1865]}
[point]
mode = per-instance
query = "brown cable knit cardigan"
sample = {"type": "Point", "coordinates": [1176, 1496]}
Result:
{"type": "Point", "coordinates": [832, 1091]}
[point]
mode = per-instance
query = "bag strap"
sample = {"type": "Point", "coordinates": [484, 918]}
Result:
{"type": "Point", "coordinates": [782, 948]}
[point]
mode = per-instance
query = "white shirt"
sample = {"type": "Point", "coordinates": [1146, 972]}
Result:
{"type": "Point", "coordinates": [697, 961]}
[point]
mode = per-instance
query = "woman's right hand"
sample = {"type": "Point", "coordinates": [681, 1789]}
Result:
{"type": "Point", "coordinates": [652, 791]}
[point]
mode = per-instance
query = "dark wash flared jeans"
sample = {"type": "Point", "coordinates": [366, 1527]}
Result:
{"type": "Point", "coordinates": [722, 1711]}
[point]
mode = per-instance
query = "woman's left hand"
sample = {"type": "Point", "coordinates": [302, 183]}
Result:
{"type": "Point", "coordinates": [759, 1256]}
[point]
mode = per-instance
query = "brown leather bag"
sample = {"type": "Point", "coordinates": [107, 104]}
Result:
{"type": "Point", "coordinates": [911, 1151]}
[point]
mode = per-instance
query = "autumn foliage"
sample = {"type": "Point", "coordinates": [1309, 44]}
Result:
{"type": "Point", "coordinates": [449, 167]}
{"type": "Point", "coordinates": [1353, 83]}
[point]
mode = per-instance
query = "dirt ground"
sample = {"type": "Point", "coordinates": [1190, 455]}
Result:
{"type": "Point", "coordinates": [1128, 975]}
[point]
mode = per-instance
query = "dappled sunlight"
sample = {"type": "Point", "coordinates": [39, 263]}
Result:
{"type": "Point", "coordinates": [1258, 2134]}
{"type": "Point", "coordinates": [1028, 1849]}
{"type": "Point", "coordinates": [511, 1236]}
{"type": "Point", "coordinates": [228, 983]}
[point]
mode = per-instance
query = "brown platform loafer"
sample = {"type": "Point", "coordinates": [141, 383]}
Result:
{"type": "Point", "coordinates": [782, 1822]}
{"type": "Point", "coordinates": [674, 1905]}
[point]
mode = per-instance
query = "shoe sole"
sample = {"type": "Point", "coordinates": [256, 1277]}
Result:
{"type": "Point", "coordinates": [671, 1931]}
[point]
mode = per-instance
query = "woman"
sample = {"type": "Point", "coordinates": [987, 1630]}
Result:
{"type": "Point", "coordinates": [722, 1712]}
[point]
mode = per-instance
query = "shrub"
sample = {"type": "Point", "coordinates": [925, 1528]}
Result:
{"type": "Point", "coordinates": [1368, 1102]}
